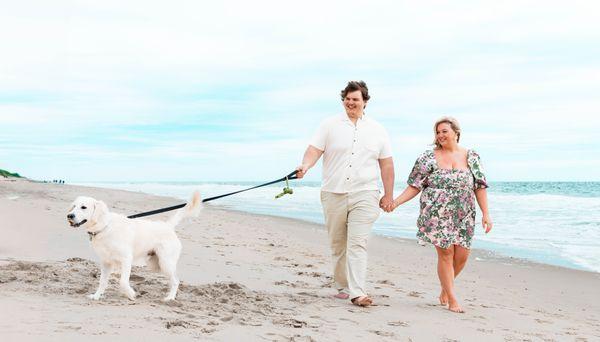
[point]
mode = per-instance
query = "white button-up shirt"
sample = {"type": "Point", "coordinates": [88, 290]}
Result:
{"type": "Point", "coordinates": [351, 153]}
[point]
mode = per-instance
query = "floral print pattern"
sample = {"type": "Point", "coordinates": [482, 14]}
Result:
{"type": "Point", "coordinates": [447, 214]}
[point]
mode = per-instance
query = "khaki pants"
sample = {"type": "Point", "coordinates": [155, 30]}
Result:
{"type": "Point", "coordinates": [349, 219]}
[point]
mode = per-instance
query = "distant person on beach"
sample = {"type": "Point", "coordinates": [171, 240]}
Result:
{"type": "Point", "coordinates": [451, 179]}
{"type": "Point", "coordinates": [356, 152]}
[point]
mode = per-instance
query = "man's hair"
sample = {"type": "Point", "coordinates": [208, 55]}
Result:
{"type": "Point", "coordinates": [354, 86]}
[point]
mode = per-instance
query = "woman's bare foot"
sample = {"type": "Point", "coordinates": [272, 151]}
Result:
{"type": "Point", "coordinates": [455, 307]}
{"type": "Point", "coordinates": [443, 298]}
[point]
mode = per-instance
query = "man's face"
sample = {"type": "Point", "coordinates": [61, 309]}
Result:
{"type": "Point", "coordinates": [354, 104]}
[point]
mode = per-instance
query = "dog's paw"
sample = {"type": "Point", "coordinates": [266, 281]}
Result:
{"type": "Point", "coordinates": [130, 293]}
{"type": "Point", "coordinates": [94, 296]}
{"type": "Point", "coordinates": [168, 298]}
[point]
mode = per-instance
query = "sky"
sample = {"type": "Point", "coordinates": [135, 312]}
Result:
{"type": "Point", "coordinates": [226, 91]}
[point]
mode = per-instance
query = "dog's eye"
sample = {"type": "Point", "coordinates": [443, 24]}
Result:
{"type": "Point", "coordinates": [83, 207]}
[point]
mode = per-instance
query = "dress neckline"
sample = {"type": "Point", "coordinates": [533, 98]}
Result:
{"type": "Point", "coordinates": [437, 166]}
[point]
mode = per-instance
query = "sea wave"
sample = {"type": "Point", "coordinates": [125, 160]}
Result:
{"type": "Point", "coordinates": [554, 228]}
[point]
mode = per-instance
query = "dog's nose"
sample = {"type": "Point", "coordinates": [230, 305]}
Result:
{"type": "Point", "coordinates": [71, 216]}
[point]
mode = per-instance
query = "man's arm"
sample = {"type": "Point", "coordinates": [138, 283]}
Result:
{"type": "Point", "coordinates": [387, 177]}
{"type": "Point", "coordinates": [311, 156]}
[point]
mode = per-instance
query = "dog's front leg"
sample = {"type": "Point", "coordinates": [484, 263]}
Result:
{"type": "Point", "coordinates": [124, 282]}
{"type": "Point", "coordinates": [105, 271]}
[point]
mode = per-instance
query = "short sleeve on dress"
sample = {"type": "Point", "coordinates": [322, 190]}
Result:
{"type": "Point", "coordinates": [420, 172]}
{"type": "Point", "coordinates": [474, 162]}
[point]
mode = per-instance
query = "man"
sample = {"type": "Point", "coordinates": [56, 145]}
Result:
{"type": "Point", "coordinates": [356, 151]}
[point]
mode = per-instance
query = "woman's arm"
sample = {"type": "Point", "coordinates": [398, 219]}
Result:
{"type": "Point", "coordinates": [409, 193]}
{"type": "Point", "coordinates": [486, 221]}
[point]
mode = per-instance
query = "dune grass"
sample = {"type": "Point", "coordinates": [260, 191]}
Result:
{"type": "Point", "coordinates": [7, 174]}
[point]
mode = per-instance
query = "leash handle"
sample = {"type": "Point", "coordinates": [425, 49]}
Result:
{"type": "Point", "coordinates": [291, 175]}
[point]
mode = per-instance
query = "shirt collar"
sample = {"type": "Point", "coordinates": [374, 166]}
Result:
{"type": "Point", "coordinates": [344, 117]}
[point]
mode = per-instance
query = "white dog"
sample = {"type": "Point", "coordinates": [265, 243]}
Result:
{"type": "Point", "coordinates": [121, 242]}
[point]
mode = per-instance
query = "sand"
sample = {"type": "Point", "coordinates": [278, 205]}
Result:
{"type": "Point", "coordinates": [260, 278]}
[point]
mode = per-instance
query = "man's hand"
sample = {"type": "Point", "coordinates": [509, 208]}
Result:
{"type": "Point", "coordinates": [387, 177]}
{"type": "Point", "coordinates": [302, 169]}
{"type": "Point", "coordinates": [311, 156]}
{"type": "Point", "coordinates": [387, 203]}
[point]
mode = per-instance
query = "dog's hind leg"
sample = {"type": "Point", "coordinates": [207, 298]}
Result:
{"type": "Point", "coordinates": [124, 281]}
{"type": "Point", "coordinates": [168, 266]}
{"type": "Point", "coordinates": [105, 271]}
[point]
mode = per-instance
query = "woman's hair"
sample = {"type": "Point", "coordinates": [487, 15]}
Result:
{"type": "Point", "coordinates": [453, 124]}
{"type": "Point", "coordinates": [354, 86]}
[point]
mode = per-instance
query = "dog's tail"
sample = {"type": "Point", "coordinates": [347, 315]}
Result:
{"type": "Point", "coordinates": [191, 209]}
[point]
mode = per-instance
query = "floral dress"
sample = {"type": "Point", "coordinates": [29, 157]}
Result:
{"type": "Point", "coordinates": [447, 214]}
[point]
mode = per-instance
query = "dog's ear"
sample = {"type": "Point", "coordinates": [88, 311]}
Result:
{"type": "Point", "coordinates": [100, 211]}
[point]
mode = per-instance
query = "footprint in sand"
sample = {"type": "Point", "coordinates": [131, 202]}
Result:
{"type": "Point", "coordinates": [291, 322]}
{"type": "Point", "coordinates": [311, 274]}
{"type": "Point", "coordinates": [136, 278]}
{"type": "Point", "coordinates": [348, 320]}
{"type": "Point", "coordinates": [382, 333]}
{"type": "Point", "coordinates": [295, 284]}
{"type": "Point", "coordinates": [398, 324]}
{"type": "Point", "coordinates": [386, 282]}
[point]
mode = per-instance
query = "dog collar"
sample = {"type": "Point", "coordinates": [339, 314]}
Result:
{"type": "Point", "coordinates": [93, 234]}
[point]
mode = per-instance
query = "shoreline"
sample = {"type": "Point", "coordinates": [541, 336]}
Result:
{"type": "Point", "coordinates": [258, 277]}
{"type": "Point", "coordinates": [475, 252]}
{"type": "Point", "coordinates": [480, 251]}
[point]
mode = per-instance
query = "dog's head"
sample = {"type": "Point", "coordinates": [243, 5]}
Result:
{"type": "Point", "coordinates": [86, 211]}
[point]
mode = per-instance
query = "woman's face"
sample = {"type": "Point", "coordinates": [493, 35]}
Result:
{"type": "Point", "coordinates": [445, 135]}
{"type": "Point", "coordinates": [354, 104]}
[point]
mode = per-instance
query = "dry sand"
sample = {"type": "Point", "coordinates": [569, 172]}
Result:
{"type": "Point", "coordinates": [252, 277]}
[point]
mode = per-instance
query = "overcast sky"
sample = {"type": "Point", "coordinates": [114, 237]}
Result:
{"type": "Point", "coordinates": [207, 90]}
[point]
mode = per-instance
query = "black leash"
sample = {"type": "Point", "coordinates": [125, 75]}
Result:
{"type": "Point", "coordinates": [292, 175]}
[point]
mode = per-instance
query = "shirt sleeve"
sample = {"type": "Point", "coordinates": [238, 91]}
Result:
{"type": "Point", "coordinates": [479, 178]}
{"type": "Point", "coordinates": [420, 172]}
{"type": "Point", "coordinates": [319, 139]}
{"type": "Point", "coordinates": [386, 148]}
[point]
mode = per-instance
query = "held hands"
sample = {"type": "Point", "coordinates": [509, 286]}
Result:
{"type": "Point", "coordinates": [387, 203]}
{"type": "Point", "coordinates": [486, 222]}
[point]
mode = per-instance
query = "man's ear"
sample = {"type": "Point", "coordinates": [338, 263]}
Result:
{"type": "Point", "coordinates": [100, 211]}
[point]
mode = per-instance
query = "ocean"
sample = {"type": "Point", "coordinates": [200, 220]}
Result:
{"type": "Point", "coordinates": [555, 223]}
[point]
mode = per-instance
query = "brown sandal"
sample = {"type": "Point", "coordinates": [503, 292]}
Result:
{"type": "Point", "coordinates": [362, 301]}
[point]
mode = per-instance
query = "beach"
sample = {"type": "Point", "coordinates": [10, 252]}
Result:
{"type": "Point", "coordinates": [264, 278]}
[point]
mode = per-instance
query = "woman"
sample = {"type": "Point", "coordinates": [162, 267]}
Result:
{"type": "Point", "coordinates": [451, 178]}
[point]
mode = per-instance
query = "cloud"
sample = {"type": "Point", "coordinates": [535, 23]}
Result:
{"type": "Point", "coordinates": [227, 83]}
